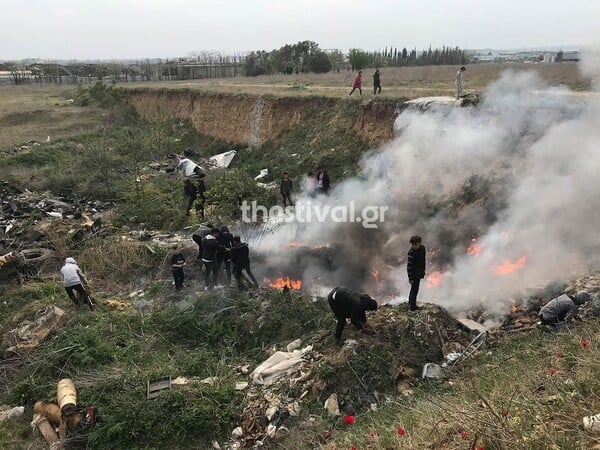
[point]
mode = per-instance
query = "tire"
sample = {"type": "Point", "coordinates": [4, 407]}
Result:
{"type": "Point", "coordinates": [37, 256]}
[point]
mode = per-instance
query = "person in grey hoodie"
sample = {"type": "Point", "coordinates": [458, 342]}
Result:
{"type": "Point", "coordinates": [73, 279]}
{"type": "Point", "coordinates": [563, 309]}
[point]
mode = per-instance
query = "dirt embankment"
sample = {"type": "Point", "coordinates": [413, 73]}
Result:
{"type": "Point", "coordinates": [254, 120]}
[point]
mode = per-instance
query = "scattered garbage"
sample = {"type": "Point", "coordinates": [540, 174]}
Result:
{"type": "Point", "coordinates": [210, 381]}
{"type": "Point", "coordinates": [263, 173]}
{"type": "Point", "coordinates": [222, 160]}
{"type": "Point", "coordinates": [30, 334]}
{"type": "Point", "coordinates": [280, 364]}
{"type": "Point", "coordinates": [592, 423]}
{"type": "Point", "coordinates": [294, 345]}
{"type": "Point", "coordinates": [180, 381]}
{"type": "Point", "coordinates": [155, 387]}
{"type": "Point", "coordinates": [241, 385]}
{"type": "Point", "coordinates": [11, 413]}
{"type": "Point", "coordinates": [332, 406]}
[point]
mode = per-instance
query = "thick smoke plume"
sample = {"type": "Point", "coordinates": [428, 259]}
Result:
{"type": "Point", "coordinates": [518, 173]}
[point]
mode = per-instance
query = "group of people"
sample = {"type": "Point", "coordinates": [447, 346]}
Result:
{"type": "Point", "coordinates": [358, 81]}
{"type": "Point", "coordinates": [357, 84]}
{"type": "Point", "coordinates": [314, 185]}
{"type": "Point", "coordinates": [217, 249]}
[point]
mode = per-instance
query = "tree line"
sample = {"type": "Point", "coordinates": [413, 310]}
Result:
{"type": "Point", "coordinates": [306, 56]}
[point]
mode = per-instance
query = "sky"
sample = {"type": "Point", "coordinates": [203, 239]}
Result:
{"type": "Point", "coordinates": [122, 29]}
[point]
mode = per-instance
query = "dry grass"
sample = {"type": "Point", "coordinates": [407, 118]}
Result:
{"type": "Point", "coordinates": [397, 82]}
{"type": "Point", "coordinates": [531, 392]}
{"type": "Point", "coordinates": [35, 112]}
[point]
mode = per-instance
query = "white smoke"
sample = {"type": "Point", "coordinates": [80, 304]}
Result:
{"type": "Point", "coordinates": [519, 173]}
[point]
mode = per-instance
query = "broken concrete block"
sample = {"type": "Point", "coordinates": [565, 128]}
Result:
{"type": "Point", "coordinates": [473, 327]}
{"type": "Point", "coordinates": [237, 433]}
{"type": "Point", "coordinates": [431, 371]}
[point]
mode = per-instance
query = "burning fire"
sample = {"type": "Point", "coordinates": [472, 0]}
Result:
{"type": "Point", "coordinates": [509, 267]}
{"type": "Point", "coordinates": [434, 279]}
{"type": "Point", "coordinates": [474, 249]}
{"type": "Point", "coordinates": [282, 282]}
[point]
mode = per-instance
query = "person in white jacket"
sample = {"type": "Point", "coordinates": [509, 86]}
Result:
{"type": "Point", "coordinates": [73, 279]}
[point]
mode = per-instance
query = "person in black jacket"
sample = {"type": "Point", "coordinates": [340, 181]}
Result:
{"type": "Point", "coordinates": [191, 192]}
{"type": "Point", "coordinates": [376, 82]}
{"type": "Point", "coordinates": [346, 303]}
{"type": "Point", "coordinates": [323, 182]}
{"type": "Point", "coordinates": [210, 249]}
{"type": "Point", "coordinates": [240, 257]}
{"type": "Point", "coordinates": [199, 235]}
{"type": "Point", "coordinates": [415, 268]}
{"type": "Point", "coordinates": [286, 190]}
{"type": "Point", "coordinates": [224, 256]}
{"type": "Point", "coordinates": [177, 263]}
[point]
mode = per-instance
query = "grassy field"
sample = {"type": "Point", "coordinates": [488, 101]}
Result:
{"type": "Point", "coordinates": [397, 82]}
{"type": "Point", "coordinates": [32, 113]}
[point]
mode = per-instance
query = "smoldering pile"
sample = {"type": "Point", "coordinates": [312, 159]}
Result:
{"type": "Point", "coordinates": [504, 175]}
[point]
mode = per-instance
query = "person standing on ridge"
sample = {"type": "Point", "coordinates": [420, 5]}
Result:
{"type": "Point", "coordinates": [458, 81]}
{"type": "Point", "coordinates": [376, 82]}
{"type": "Point", "coordinates": [357, 83]}
{"type": "Point", "coordinates": [415, 267]}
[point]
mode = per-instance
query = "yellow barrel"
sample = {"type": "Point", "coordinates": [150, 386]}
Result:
{"type": "Point", "coordinates": [66, 396]}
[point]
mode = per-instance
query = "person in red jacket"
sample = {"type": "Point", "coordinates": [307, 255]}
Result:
{"type": "Point", "coordinates": [357, 83]}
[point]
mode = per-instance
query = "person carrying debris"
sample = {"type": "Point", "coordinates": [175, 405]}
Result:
{"type": "Point", "coordinates": [191, 192]}
{"type": "Point", "coordinates": [240, 256]}
{"type": "Point", "coordinates": [348, 304]}
{"type": "Point", "coordinates": [563, 309]}
{"type": "Point", "coordinates": [415, 268]}
{"type": "Point", "coordinates": [73, 280]}
{"type": "Point", "coordinates": [224, 255]}
{"type": "Point", "coordinates": [376, 82]}
{"type": "Point", "coordinates": [286, 189]}
{"type": "Point", "coordinates": [199, 235]}
{"type": "Point", "coordinates": [357, 83]}
{"type": "Point", "coordinates": [458, 81]}
{"type": "Point", "coordinates": [210, 249]}
{"type": "Point", "coordinates": [177, 263]}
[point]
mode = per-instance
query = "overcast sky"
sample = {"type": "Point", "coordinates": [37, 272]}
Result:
{"type": "Point", "coordinates": [113, 29]}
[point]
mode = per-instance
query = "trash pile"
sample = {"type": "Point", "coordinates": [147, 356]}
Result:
{"type": "Point", "coordinates": [29, 219]}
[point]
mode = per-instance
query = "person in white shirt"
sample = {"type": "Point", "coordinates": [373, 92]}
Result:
{"type": "Point", "coordinates": [73, 279]}
{"type": "Point", "coordinates": [458, 81]}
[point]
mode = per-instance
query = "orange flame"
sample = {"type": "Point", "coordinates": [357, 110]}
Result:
{"type": "Point", "coordinates": [434, 279]}
{"type": "Point", "coordinates": [509, 267]}
{"type": "Point", "coordinates": [282, 282]}
{"type": "Point", "coordinates": [375, 274]}
{"type": "Point", "coordinates": [474, 249]}
{"type": "Point", "coordinates": [295, 244]}
{"type": "Point", "coordinates": [514, 309]}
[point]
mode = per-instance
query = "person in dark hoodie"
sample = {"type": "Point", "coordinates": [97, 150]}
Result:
{"type": "Point", "coordinates": [347, 303]}
{"type": "Point", "coordinates": [210, 249]}
{"type": "Point", "coordinates": [286, 190]}
{"type": "Point", "coordinates": [415, 267]}
{"type": "Point", "coordinates": [240, 256]}
{"type": "Point", "coordinates": [199, 235]}
{"type": "Point", "coordinates": [224, 255]}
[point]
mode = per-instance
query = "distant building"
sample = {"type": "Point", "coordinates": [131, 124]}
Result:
{"type": "Point", "coordinates": [562, 56]}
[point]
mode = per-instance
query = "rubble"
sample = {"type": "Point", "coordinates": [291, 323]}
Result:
{"type": "Point", "coordinates": [332, 406]}
{"type": "Point", "coordinates": [30, 334]}
{"type": "Point", "coordinates": [6, 412]}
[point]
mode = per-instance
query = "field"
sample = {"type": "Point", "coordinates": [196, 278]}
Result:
{"type": "Point", "coordinates": [400, 82]}
{"type": "Point", "coordinates": [526, 390]}
{"type": "Point", "coordinates": [32, 113]}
